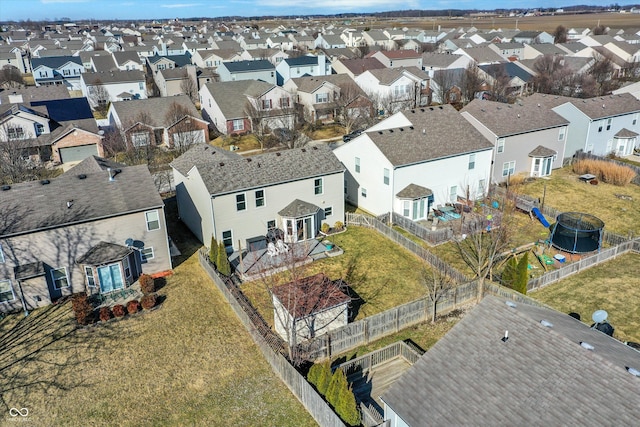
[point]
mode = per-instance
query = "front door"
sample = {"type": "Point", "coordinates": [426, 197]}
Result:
{"type": "Point", "coordinates": [110, 277]}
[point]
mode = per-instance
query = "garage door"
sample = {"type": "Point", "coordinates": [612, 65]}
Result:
{"type": "Point", "coordinates": [75, 154]}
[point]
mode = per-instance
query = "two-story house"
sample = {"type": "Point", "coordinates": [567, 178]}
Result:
{"type": "Point", "coordinates": [93, 229]}
{"type": "Point", "coordinates": [415, 160]}
{"type": "Point", "coordinates": [109, 86]}
{"type": "Point", "coordinates": [527, 137]}
{"type": "Point", "coordinates": [247, 70]}
{"type": "Point", "coordinates": [398, 58]}
{"type": "Point", "coordinates": [308, 65]}
{"type": "Point", "coordinates": [234, 198]}
{"type": "Point", "coordinates": [393, 89]}
{"type": "Point", "coordinates": [57, 70]}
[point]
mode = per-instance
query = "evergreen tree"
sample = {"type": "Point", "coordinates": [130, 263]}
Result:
{"type": "Point", "coordinates": [314, 374]}
{"type": "Point", "coordinates": [213, 252]}
{"type": "Point", "coordinates": [348, 407]}
{"type": "Point", "coordinates": [223, 265]}
{"type": "Point", "coordinates": [509, 274]}
{"type": "Point", "coordinates": [338, 382]}
{"type": "Point", "coordinates": [522, 276]}
{"type": "Point", "coordinates": [324, 378]}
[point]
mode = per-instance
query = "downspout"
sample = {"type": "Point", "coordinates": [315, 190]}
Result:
{"type": "Point", "coordinates": [24, 304]}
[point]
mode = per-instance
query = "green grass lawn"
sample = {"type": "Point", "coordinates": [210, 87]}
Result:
{"type": "Point", "coordinates": [568, 194]}
{"type": "Point", "coordinates": [387, 275]}
{"type": "Point", "coordinates": [613, 286]}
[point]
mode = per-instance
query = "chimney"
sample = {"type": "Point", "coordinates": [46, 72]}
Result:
{"type": "Point", "coordinates": [111, 178]}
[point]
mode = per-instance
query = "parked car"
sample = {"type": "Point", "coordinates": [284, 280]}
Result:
{"type": "Point", "coordinates": [348, 137]}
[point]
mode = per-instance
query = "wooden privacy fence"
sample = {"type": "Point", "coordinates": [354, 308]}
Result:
{"type": "Point", "coordinates": [576, 267]}
{"type": "Point", "coordinates": [306, 394]}
{"type": "Point", "coordinates": [396, 237]}
{"type": "Point", "coordinates": [385, 323]}
{"type": "Point", "coordinates": [433, 237]}
{"type": "Point", "coordinates": [378, 357]}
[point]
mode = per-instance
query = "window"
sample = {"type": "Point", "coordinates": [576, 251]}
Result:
{"type": "Point", "coordinates": [271, 225]}
{"type": "Point", "coordinates": [453, 194]}
{"type": "Point", "coordinates": [561, 134]}
{"type": "Point", "coordinates": [363, 192]}
{"type": "Point", "coordinates": [266, 104]}
{"type": "Point", "coordinates": [508, 168]}
{"type": "Point", "coordinates": [153, 220]}
{"type": "Point", "coordinates": [241, 202]}
{"type": "Point", "coordinates": [140, 139]}
{"type": "Point", "coordinates": [6, 291]}
{"type": "Point", "coordinates": [91, 281]}
{"type": "Point", "coordinates": [328, 211]}
{"type": "Point", "coordinates": [43, 74]}
{"type": "Point", "coordinates": [635, 119]}
{"type": "Point", "coordinates": [238, 124]}
{"type": "Point", "coordinates": [481, 188]}
{"type": "Point", "coordinates": [259, 198]}
{"type": "Point", "coordinates": [146, 254]}
{"type": "Point", "coordinates": [406, 208]}
{"type": "Point", "coordinates": [609, 120]}
{"type": "Point", "coordinates": [141, 85]}
{"type": "Point", "coordinates": [600, 125]}
{"type": "Point", "coordinates": [322, 98]}
{"type": "Point", "coordinates": [15, 132]}
{"type": "Point", "coordinates": [227, 239]}
{"type": "Point", "coordinates": [1, 255]}
{"type": "Point", "coordinates": [66, 72]}
{"type": "Point", "coordinates": [501, 145]}
{"type": "Point", "coordinates": [385, 178]}
{"type": "Point", "coordinates": [60, 279]}
{"type": "Point", "coordinates": [317, 186]}
{"type": "Point", "coordinates": [472, 161]}
{"type": "Point", "coordinates": [358, 164]}
{"type": "Point", "coordinates": [39, 128]}
{"type": "Point", "coordinates": [284, 101]}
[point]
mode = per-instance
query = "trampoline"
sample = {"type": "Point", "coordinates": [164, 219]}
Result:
{"type": "Point", "coordinates": [576, 232]}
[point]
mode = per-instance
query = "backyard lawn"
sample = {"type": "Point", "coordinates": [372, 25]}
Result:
{"type": "Point", "coordinates": [567, 193]}
{"type": "Point", "coordinates": [613, 286]}
{"type": "Point", "coordinates": [387, 275]}
{"type": "Point", "coordinates": [190, 362]}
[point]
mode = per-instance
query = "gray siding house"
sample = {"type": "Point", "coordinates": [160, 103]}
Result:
{"type": "Point", "coordinates": [528, 138]}
{"type": "Point", "coordinates": [247, 70]}
{"type": "Point", "coordinates": [234, 198]}
{"type": "Point", "coordinates": [82, 231]}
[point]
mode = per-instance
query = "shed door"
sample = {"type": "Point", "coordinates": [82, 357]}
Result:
{"type": "Point", "coordinates": [75, 154]}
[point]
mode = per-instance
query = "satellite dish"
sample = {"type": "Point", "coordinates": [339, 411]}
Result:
{"type": "Point", "coordinates": [129, 242]}
{"type": "Point", "coordinates": [599, 316]}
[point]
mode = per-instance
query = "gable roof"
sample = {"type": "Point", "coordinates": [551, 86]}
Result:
{"type": "Point", "coordinates": [228, 95]}
{"type": "Point", "coordinates": [511, 68]}
{"type": "Point", "coordinates": [422, 141]}
{"type": "Point", "coordinates": [301, 61]}
{"type": "Point", "coordinates": [248, 66]}
{"type": "Point", "coordinates": [122, 57]}
{"type": "Point", "coordinates": [237, 174]}
{"type": "Point", "coordinates": [387, 76]}
{"type": "Point", "coordinates": [441, 60]}
{"type": "Point", "coordinates": [156, 109]}
{"type": "Point", "coordinates": [507, 119]}
{"type": "Point", "coordinates": [309, 84]}
{"type": "Point", "coordinates": [115, 76]}
{"type": "Point", "coordinates": [310, 295]}
{"type": "Point", "coordinates": [36, 206]}
{"type": "Point", "coordinates": [540, 376]}
{"type": "Point", "coordinates": [596, 108]}
{"type": "Point", "coordinates": [63, 110]}
{"type": "Point", "coordinates": [54, 62]}
{"type": "Point", "coordinates": [358, 66]}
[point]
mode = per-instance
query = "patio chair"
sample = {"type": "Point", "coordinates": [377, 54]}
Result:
{"type": "Point", "coordinates": [282, 246]}
{"type": "Point", "coordinates": [271, 249]}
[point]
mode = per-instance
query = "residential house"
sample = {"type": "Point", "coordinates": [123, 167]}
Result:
{"type": "Point", "coordinates": [12, 57]}
{"type": "Point", "coordinates": [507, 78]}
{"type": "Point", "coordinates": [326, 98]}
{"type": "Point", "coordinates": [378, 38]}
{"type": "Point", "coordinates": [247, 70]}
{"type": "Point", "coordinates": [482, 55]}
{"type": "Point", "coordinates": [177, 81]}
{"type": "Point", "coordinates": [393, 89]}
{"type": "Point", "coordinates": [174, 122]}
{"type": "Point", "coordinates": [308, 65]}
{"type": "Point", "coordinates": [128, 60]}
{"type": "Point", "coordinates": [329, 41]}
{"type": "Point", "coordinates": [398, 58]}
{"type": "Point", "coordinates": [599, 125]}
{"type": "Point", "coordinates": [302, 42]}
{"type": "Point", "coordinates": [432, 62]}
{"type": "Point", "coordinates": [415, 160]}
{"type": "Point", "coordinates": [158, 62]}
{"type": "Point", "coordinates": [355, 67]}
{"type": "Point", "coordinates": [104, 87]}
{"type": "Point", "coordinates": [279, 42]}
{"type": "Point", "coordinates": [352, 38]}
{"type": "Point", "coordinates": [93, 229]}
{"type": "Point", "coordinates": [275, 56]}
{"type": "Point", "coordinates": [535, 50]}
{"type": "Point", "coordinates": [529, 37]}
{"type": "Point", "coordinates": [574, 33]}
{"type": "Point", "coordinates": [527, 138]}
{"type": "Point", "coordinates": [57, 70]}
{"type": "Point", "coordinates": [509, 51]}
{"type": "Point", "coordinates": [212, 58]}
{"type": "Point", "coordinates": [309, 307]}
{"type": "Point", "coordinates": [632, 88]}
{"type": "Point", "coordinates": [234, 198]}
{"type": "Point", "coordinates": [236, 107]}
{"type": "Point", "coordinates": [480, 372]}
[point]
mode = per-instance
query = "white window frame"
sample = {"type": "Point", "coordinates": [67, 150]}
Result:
{"type": "Point", "coordinates": [357, 160]}
{"type": "Point", "coordinates": [150, 221]}
{"type": "Point", "coordinates": [472, 161]}
{"type": "Point", "coordinates": [482, 183]}
{"type": "Point", "coordinates": [322, 98]}
{"type": "Point", "coordinates": [39, 128]}
{"type": "Point", "coordinates": [328, 211]}
{"type": "Point", "coordinates": [271, 224]}
{"type": "Point", "coordinates": [238, 124]}
{"type": "Point", "coordinates": [266, 104]}
{"type": "Point", "coordinates": [13, 294]}
{"type": "Point", "coordinates": [363, 192]}
{"type": "Point", "coordinates": [262, 198]}
{"type": "Point", "coordinates": [318, 186]}
{"type": "Point", "coordinates": [500, 145]}
{"type": "Point", "coordinates": [609, 121]}
{"type": "Point", "coordinates": [126, 265]}
{"type": "Point", "coordinates": [241, 202]}
{"type": "Point", "coordinates": [55, 281]}
{"type": "Point", "coordinates": [91, 278]}
{"type": "Point", "coordinates": [406, 208]}
{"type": "Point", "coordinates": [453, 193]}
{"type": "Point", "coordinates": [508, 168]}
{"type": "Point", "coordinates": [227, 239]}
{"type": "Point", "coordinates": [15, 132]}
{"type": "Point", "coordinates": [145, 255]}
{"type": "Point", "coordinates": [386, 176]}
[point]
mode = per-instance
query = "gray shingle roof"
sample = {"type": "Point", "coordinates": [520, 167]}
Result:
{"type": "Point", "coordinates": [202, 155]}
{"type": "Point", "coordinates": [440, 60]}
{"type": "Point", "coordinates": [228, 95]}
{"type": "Point", "coordinates": [54, 61]}
{"type": "Point", "coordinates": [506, 119]}
{"type": "Point", "coordinates": [414, 191]}
{"type": "Point", "coordinates": [360, 65]}
{"type": "Point", "coordinates": [113, 77]}
{"type": "Point", "coordinates": [248, 66]}
{"type": "Point", "coordinates": [156, 109]}
{"type": "Point", "coordinates": [103, 253]}
{"type": "Point", "coordinates": [614, 105]}
{"type": "Point", "coordinates": [542, 151]}
{"type": "Point", "coordinates": [438, 132]}
{"type": "Point", "coordinates": [540, 376]}
{"type": "Point", "coordinates": [34, 205]}
{"type": "Point", "coordinates": [625, 133]}
{"type": "Point", "coordinates": [311, 83]}
{"type": "Point", "coordinates": [236, 174]}
{"type": "Point", "coordinates": [298, 208]}
{"type": "Point", "coordinates": [387, 76]}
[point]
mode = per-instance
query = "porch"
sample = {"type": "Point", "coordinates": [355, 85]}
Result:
{"type": "Point", "coordinates": [119, 296]}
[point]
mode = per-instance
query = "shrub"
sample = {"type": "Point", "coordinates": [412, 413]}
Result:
{"type": "Point", "coordinates": [213, 252]}
{"type": "Point", "coordinates": [118, 310]}
{"type": "Point", "coordinates": [325, 227]}
{"type": "Point", "coordinates": [339, 225]}
{"type": "Point", "coordinates": [148, 301]}
{"type": "Point", "coordinates": [605, 171]}
{"type": "Point", "coordinates": [223, 265]}
{"type": "Point", "coordinates": [147, 284]}
{"type": "Point", "coordinates": [347, 407]}
{"type": "Point", "coordinates": [82, 308]}
{"type": "Point", "coordinates": [338, 382]}
{"type": "Point", "coordinates": [105, 314]}
{"type": "Point", "coordinates": [314, 374]}
{"type": "Point", "coordinates": [324, 378]}
{"type": "Point", "coordinates": [523, 274]}
{"type": "Point", "coordinates": [133, 306]}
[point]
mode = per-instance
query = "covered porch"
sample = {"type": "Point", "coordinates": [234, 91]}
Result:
{"type": "Point", "coordinates": [109, 267]}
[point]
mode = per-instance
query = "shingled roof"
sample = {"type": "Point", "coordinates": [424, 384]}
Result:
{"type": "Point", "coordinates": [37, 205]}
{"type": "Point", "coordinates": [229, 95]}
{"type": "Point", "coordinates": [437, 132]}
{"type": "Point", "coordinates": [311, 295]}
{"type": "Point", "coordinates": [539, 376]}
{"type": "Point", "coordinates": [386, 76]}
{"type": "Point", "coordinates": [224, 174]}
{"type": "Point", "coordinates": [156, 110]}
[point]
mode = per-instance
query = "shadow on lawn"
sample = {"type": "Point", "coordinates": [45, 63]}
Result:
{"type": "Point", "coordinates": [180, 234]}
{"type": "Point", "coordinates": [46, 351]}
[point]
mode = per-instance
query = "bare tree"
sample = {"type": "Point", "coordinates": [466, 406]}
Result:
{"type": "Point", "coordinates": [99, 97]}
{"type": "Point", "coordinates": [184, 131]}
{"type": "Point", "coordinates": [352, 108]}
{"type": "Point", "coordinates": [501, 82]}
{"type": "Point", "coordinates": [551, 72]}
{"type": "Point", "coordinates": [602, 71]}
{"type": "Point", "coordinates": [560, 34]}
{"type": "Point", "coordinates": [599, 30]}
{"type": "Point", "coordinates": [443, 81]}
{"type": "Point", "coordinates": [11, 77]}
{"type": "Point", "coordinates": [189, 86]}
{"type": "Point", "coordinates": [437, 285]}
{"type": "Point", "coordinates": [15, 144]}
{"type": "Point", "coordinates": [471, 82]}
{"type": "Point", "coordinates": [266, 117]}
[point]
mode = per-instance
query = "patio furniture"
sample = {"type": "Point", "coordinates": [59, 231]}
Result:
{"type": "Point", "coordinates": [271, 249]}
{"type": "Point", "coordinates": [281, 246]}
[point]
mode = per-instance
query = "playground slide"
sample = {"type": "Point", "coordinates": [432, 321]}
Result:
{"type": "Point", "coordinates": [540, 217]}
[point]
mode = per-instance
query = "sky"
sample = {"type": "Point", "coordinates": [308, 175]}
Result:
{"type": "Point", "coordinates": [167, 9]}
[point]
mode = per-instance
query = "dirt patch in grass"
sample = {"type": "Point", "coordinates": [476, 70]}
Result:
{"type": "Point", "coordinates": [613, 286]}
{"type": "Point", "coordinates": [244, 142]}
{"type": "Point", "coordinates": [326, 131]}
